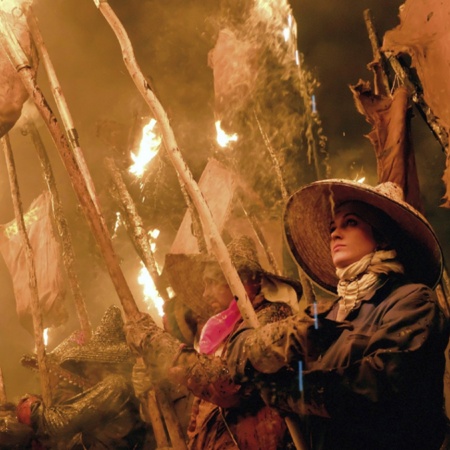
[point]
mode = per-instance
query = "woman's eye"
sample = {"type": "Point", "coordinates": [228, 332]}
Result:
{"type": "Point", "coordinates": [332, 229]}
{"type": "Point", "coordinates": [352, 222]}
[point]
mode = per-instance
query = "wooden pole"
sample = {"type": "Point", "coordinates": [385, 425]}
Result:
{"type": "Point", "coordinates": [93, 215]}
{"type": "Point", "coordinates": [209, 227]}
{"type": "Point", "coordinates": [63, 229]}
{"type": "Point", "coordinates": [29, 258]}
{"type": "Point", "coordinates": [136, 225]}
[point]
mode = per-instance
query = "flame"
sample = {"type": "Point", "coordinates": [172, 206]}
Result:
{"type": "Point", "coordinates": [223, 139]}
{"type": "Point", "coordinates": [150, 292]}
{"type": "Point", "coordinates": [361, 180]}
{"type": "Point", "coordinates": [148, 149]}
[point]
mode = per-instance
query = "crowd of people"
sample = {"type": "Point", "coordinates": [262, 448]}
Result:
{"type": "Point", "coordinates": [361, 370]}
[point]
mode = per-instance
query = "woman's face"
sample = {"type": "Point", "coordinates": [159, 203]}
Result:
{"type": "Point", "coordinates": [351, 237]}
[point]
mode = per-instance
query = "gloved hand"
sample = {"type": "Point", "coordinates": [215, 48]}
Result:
{"type": "Point", "coordinates": [140, 378]}
{"type": "Point", "coordinates": [139, 333]}
{"type": "Point", "coordinates": [270, 347]}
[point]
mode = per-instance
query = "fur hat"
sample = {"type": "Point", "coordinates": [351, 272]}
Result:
{"type": "Point", "coordinates": [309, 212]}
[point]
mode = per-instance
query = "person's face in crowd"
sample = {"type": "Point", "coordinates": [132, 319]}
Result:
{"type": "Point", "coordinates": [351, 237]}
{"type": "Point", "coordinates": [216, 292]}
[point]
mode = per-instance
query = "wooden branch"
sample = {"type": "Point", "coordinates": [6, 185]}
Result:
{"type": "Point", "coordinates": [273, 157]}
{"type": "Point", "coordinates": [29, 258]}
{"type": "Point", "coordinates": [63, 229]}
{"type": "Point", "coordinates": [173, 425]}
{"type": "Point", "coordinates": [209, 227]}
{"type": "Point", "coordinates": [136, 225]}
{"type": "Point", "coordinates": [382, 80]}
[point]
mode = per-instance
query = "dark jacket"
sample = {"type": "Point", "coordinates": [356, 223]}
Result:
{"type": "Point", "coordinates": [372, 382]}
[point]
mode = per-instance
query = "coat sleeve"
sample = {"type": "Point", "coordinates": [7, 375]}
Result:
{"type": "Point", "coordinates": [402, 358]}
{"type": "Point", "coordinates": [269, 348]}
{"type": "Point", "coordinates": [208, 377]}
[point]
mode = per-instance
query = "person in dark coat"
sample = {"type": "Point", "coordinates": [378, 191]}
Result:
{"type": "Point", "coordinates": [370, 364]}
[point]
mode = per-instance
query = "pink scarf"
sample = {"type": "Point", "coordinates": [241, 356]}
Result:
{"type": "Point", "coordinates": [218, 328]}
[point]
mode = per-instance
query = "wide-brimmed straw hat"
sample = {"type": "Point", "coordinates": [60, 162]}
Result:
{"type": "Point", "coordinates": [309, 212]}
{"type": "Point", "coordinates": [185, 273]}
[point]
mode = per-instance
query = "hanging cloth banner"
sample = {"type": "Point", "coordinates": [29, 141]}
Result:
{"type": "Point", "coordinates": [47, 260]}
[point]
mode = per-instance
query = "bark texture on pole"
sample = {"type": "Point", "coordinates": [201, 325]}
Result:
{"type": "Point", "coordinates": [29, 258]}
{"type": "Point", "coordinates": [63, 229]}
{"type": "Point", "coordinates": [210, 229]}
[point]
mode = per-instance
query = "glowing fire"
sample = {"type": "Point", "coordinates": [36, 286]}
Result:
{"type": "Point", "coordinates": [45, 336]}
{"type": "Point", "coordinates": [223, 139]}
{"type": "Point", "coordinates": [361, 180]}
{"type": "Point", "coordinates": [150, 292]}
{"type": "Point", "coordinates": [148, 149]}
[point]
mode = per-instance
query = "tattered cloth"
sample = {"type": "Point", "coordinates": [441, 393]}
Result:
{"type": "Point", "coordinates": [424, 34]}
{"type": "Point", "coordinates": [12, 91]}
{"type": "Point", "coordinates": [47, 261]}
{"type": "Point", "coordinates": [391, 138]}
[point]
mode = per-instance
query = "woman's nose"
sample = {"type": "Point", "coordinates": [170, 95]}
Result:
{"type": "Point", "coordinates": [335, 234]}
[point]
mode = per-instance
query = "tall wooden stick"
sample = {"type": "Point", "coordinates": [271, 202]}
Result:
{"type": "Point", "coordinates": [29, 258]}
{"type": "Point", "coordinates": [63, 229]}
{"type": "Point", "coordinates": [209, 227]}
{"type": "Point", "coordinates": [137, 229]}
{"type": "Point", "coordinates": [20, 62]}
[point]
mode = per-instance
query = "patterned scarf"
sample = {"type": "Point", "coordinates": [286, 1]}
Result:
{"type": "Point", "coordinates": [362, 278]}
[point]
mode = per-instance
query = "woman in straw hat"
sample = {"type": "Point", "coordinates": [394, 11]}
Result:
{"type": "Point", "coordinates": [369, 365]}
{"type": "Point", "coordinates": [225, 415]}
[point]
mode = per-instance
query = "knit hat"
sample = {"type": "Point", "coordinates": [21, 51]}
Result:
{"type": "Point", "coordinates": [309, 212]}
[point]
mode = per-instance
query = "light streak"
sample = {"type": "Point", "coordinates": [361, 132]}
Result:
{"type": "Point", "coordinates": [316, 319]}
{"type": "Point", "coordinates": [300, 376]}
{"type": "Point", "coordinates": [45, 336]}
{"type": "Point", "coordinates": [313, 104]}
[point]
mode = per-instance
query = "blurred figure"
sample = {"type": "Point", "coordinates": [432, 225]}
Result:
{"type": "Point", "coordinates": [224, 415]}
{"type": "Point", "coordinates": [104, 413]}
